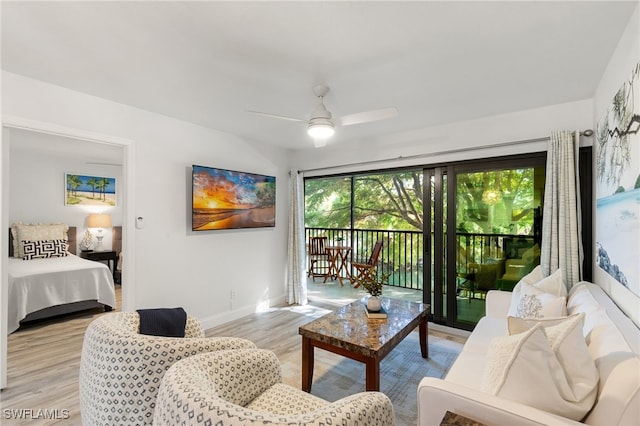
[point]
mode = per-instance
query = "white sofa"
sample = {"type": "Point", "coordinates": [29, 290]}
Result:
{"type": "Point", "coordinates": [613, 342]}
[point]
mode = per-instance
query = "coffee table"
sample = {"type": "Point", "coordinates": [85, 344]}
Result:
{"type": "Point", "coordinates": [349, 332]}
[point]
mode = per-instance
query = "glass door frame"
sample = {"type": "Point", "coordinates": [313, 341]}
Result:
{"type": "Point", "coordinates": [444, 310]}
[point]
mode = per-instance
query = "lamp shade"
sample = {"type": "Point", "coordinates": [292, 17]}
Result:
{"type": "Point", "coordinates": [102, 220]}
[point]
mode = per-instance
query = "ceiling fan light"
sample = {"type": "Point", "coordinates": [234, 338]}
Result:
{"type": "Point", "coordinates": [321, 130]}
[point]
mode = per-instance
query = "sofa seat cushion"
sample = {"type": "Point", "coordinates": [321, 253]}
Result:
{"type": "Point", "coordinates": [485, 330]}
{"type": "Point", "coordinates": [468, 369]}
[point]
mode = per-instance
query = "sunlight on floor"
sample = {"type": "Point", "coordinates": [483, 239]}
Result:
{"type": "Point", "coordinates": [333, 293]}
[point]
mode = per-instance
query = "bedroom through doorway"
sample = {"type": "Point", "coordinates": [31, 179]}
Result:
{"type": "Point", "coordinates": [36, 158]}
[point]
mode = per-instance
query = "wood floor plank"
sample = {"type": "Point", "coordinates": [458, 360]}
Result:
{"type": "Point", "coordinates": [44, 359]}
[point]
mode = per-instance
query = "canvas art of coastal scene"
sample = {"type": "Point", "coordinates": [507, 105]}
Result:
{"type": "Point", "coordinates": [226, 199]}
{"type": "Point", "coordinates": [618, 190]}
{"type": "Point", "coordinates": [89, 190]}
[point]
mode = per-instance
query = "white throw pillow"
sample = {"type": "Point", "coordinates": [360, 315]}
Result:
{"type": "Point", "coordinates": [530, 302]}
{"type": "Point", "coordinates": [41, 232]}
{"type": "Point", "coordinates": [553, 284]}
{"type": "Point", "coordinates": [567, 341]}
{"type": "Point", "coordinates": [534, 276]}
{"type": "Point", "coordinates": [545, 367]}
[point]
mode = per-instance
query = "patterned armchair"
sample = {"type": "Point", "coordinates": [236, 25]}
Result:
{"type": "Point", "coordinates": [121, 370]}
{"type": "Point", "coordinates": [243, 387]}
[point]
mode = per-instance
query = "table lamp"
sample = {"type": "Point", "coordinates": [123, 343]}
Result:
{"type": "Point", "coordinates": [99, 221]}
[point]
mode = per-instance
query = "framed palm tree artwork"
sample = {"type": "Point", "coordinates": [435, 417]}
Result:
{"type": "Point", "coordinates": [83, 190]}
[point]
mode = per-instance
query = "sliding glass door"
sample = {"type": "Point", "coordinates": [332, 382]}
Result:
{"type": "Point", "coordinates": [451, 232]}
{"type": "Point", "coordinates": [483, 232]}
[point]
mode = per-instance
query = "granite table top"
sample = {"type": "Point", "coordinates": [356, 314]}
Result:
{"type": "Point", "coordinates": [351, 329]}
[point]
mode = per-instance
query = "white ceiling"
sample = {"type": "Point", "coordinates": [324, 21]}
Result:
{"type": "Point", "coordinates": [210, 62]}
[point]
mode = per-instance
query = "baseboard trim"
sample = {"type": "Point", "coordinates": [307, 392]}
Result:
{"type": "Point", "coordinates": [225, 317]}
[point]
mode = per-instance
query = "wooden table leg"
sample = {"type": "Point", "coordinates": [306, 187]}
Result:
{"type": "Point", "coordinates": [423, 331]}
{"type": "Point", "coordinates": [307, 364]}
{"type": "Point", "coordinates": [332, 258]}
{"type": "Point", "coordinates": [373, 375]}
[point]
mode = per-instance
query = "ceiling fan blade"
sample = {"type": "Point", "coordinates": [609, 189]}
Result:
{"type": "Point", "coordinates": [368, 116]}
{"type": "Point", "coordinates": [282, 117]}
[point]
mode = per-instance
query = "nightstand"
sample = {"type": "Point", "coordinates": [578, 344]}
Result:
{"type": "Point", "coordinates": [110, 256]}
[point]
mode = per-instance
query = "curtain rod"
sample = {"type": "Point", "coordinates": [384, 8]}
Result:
{"type": "Point", "coordinates": [587, 133]}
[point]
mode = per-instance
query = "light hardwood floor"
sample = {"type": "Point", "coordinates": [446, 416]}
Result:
{"type": "Point", "coordinates": [44, 360]}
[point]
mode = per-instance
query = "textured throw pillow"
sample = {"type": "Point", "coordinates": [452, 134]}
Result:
{"type": "Point", "coordinates": [44, 249]}
{"type": "Point", "coordinates": [534, 303]}
{"type": "Point", "coordinates": [546, 366]}
{"type": "Point", "coordinates": [553, 285]}
{"type": "Point", "coordinates": [22, 232]}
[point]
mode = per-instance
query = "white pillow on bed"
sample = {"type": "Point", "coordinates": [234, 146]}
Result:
{"type": "Point", "coordinates": [40, 232]}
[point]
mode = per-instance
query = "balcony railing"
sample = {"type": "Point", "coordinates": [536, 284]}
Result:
{"type": "Point", "coordinates": [402, 252]}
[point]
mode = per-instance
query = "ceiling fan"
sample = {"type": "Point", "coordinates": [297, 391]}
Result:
{"type": "Point", "coordinates": [321, 125]}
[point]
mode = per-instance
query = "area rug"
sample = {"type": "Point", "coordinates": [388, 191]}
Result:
{"type": "Point", "coordinates": [336, 377]}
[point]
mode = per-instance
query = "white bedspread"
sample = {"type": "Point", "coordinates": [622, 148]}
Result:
{"type": "Point", "coordinates": [40, 283]}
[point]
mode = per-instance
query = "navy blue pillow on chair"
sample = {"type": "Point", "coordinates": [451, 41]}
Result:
{"type": "Point", "coordinates": [167, 322]}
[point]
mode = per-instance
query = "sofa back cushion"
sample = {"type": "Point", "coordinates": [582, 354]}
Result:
{"type": "Point", "coordinates": [614, 343]}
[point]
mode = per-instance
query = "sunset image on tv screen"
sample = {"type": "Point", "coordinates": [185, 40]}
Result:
{"type": "Point", "coordinates": [226, 199]}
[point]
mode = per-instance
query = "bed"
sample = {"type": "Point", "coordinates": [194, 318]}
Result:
{"type": "Point", "coordinates": [45, 287]}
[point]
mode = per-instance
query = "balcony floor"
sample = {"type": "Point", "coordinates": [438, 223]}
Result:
{"type": "Point", "coordinates": [470, 310]}
{"type": "Point", "coordinates": [332, 292]}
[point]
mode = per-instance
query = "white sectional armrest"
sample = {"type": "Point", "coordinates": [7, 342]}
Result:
{"type": "Point", "coordinates": [437, 396]}
{"type": "Point", "coordinates": [497, 303]}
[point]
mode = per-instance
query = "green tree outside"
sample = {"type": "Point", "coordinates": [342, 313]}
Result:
{"type": "Point", "coordinates": [498, 202]}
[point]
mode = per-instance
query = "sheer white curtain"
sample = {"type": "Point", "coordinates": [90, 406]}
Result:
{"type": "Point", "coordinates": [561, 227]}
{"type": "Point", "coordinates": [296, 275]}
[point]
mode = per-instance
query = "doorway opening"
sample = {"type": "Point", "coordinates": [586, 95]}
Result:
{"type": "Point", "coordinates": [17, 125]}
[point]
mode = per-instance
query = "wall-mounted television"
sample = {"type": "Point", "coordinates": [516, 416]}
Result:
{"type": "Point", "coordinates": [227, 199]}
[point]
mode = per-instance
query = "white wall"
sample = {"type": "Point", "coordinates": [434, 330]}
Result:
{"type": "Point", "coordinates": [623, 59]}
{"type": "Point", "coordinates": [174, 266]}
{"type": "Point", "coordinates": [37, 186]}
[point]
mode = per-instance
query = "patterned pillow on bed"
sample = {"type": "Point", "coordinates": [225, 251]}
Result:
{"type": "Point", "coordinates": [36, 232]}
{"type": "Point", "coordinates": [44, 249]}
